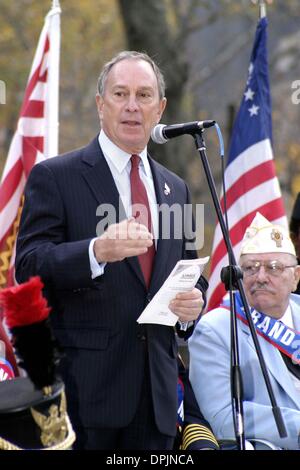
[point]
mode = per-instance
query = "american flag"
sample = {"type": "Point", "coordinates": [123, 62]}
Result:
{"type": "Point", "coordinates": [250, 177]}
{"type": "Point", "coordinates": [35, 139]}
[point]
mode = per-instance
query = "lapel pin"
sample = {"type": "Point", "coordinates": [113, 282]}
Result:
{"type": "Point", "coordinates": [167, 190]}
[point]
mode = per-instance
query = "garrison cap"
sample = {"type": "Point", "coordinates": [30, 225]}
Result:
{"type": "Point", "coordinates": [264, 237]}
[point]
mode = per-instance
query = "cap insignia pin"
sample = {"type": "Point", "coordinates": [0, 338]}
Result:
{"type": "Point", "coordinates": [277, 237]}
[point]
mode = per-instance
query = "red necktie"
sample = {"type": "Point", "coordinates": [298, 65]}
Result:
{"type": "Point", "coordinates": [143, 216]}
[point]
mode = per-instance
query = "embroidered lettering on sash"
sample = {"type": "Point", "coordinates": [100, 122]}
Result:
{"type": "Point", "coordinates": [264, 325]}
{"type": "Point", "coordinates": [275, 332]}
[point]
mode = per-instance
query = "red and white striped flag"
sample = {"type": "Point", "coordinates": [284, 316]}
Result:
{"type": "Point", "coordinates": [250, 177]}
{"type": "Point", "coordinates": [35, 139]}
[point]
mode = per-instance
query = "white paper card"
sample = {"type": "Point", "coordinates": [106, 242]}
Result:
{"type": "Point", "coordinates": [183, 278]}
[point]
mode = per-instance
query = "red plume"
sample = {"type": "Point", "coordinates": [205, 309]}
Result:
{"type": "Point", "coordinates": [27, 316]}
{"type": "Point", "coordinates": [24, 304]}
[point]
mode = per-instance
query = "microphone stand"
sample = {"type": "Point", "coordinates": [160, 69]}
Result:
{"type": "Point", "coordinates": [229, 276]}
{"type": "Point", "coordinates": [232, 278]}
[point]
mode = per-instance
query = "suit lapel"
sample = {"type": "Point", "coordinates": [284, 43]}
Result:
{"type": "Point", "coordinates": [98, 176]}
{"type": "Point", "coordinates": [165, 196]}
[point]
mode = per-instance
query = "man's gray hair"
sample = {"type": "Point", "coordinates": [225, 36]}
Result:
{"type": "Point", "coordinates": [131, 55]}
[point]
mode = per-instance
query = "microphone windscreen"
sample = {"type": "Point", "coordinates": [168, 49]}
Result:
{"type": "Point", "coordinates": [157, 134]}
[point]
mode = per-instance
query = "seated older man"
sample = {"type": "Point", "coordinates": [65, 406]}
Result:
{"type": "Point", "coordinates": [269, 265]}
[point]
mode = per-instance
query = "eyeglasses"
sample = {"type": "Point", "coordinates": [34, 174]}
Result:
{"type": "Point", "coordinates": [272, 268]}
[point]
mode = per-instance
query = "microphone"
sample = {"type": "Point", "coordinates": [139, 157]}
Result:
{"type": "Point", "coordinates": [161, 133]}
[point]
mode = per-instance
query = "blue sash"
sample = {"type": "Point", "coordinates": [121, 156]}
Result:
{"type": "Point", "coordinates": [284, 338]}
{"type": "Point", "coordinates": [180, 397]}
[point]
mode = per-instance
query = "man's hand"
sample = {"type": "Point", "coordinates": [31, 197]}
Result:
{"type": "Point", "coordinates": [187, 305]}
{"type": "Point", "coordinates": [119, 241]}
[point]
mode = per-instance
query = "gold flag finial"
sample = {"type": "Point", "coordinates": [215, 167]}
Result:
{"type": "Point", "coordinates": [262, 6]}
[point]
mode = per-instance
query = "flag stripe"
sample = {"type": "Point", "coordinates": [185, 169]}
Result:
{"type": "Point", "coordinates": [8, 186]}
{"type": "Point", "coordinates": [34, 78]}
{"type": "Point", "coordinates": [254, 177]}
{"type": "Point", "coordinates": [14, 153]}
{"type": "Point", "coordinates": [30, 147]}
{"type": "Point", "coordinates": [39, 92]}
{"type": "Point", "coordinates": [35, 109]}
{"type": "Point", "coordinates": [31, 127]}
{"type": "Point", "coordinates": [259, 153]}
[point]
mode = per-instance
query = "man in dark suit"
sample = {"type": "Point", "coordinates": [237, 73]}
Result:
{"type": "Point", "coordinates": [99, 274]}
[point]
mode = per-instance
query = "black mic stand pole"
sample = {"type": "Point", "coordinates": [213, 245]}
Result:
{"type": "Point", "coordinates": [229, 275]}
{"type": "Point", "coordinates": [232, 275]}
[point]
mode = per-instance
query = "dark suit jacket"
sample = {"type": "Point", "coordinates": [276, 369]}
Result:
{"type": "Point", "coordinates": [95, 320]}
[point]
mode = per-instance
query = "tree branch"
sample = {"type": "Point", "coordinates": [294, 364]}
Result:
{"type": "Point", "coordinates": [228, 52]}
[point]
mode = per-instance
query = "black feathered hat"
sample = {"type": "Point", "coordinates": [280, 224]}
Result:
{"type": "Point", "coordinates": [31, 419]}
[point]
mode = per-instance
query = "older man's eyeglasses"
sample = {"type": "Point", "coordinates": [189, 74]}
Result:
{"type": "Point", "coordinates": [273, 268]}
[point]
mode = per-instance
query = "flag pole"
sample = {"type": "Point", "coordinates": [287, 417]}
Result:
{"type": "Point", "coordinates": [52, 101]}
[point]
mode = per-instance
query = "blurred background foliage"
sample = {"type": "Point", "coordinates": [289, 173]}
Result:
{"type": "Point", "coordinates": [203, 48]}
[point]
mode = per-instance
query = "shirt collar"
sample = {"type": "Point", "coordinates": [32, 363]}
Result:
{"type": "Point", "coordinates": [118, 157]}
{"type": "Point", "coordinates": [287, 317]}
